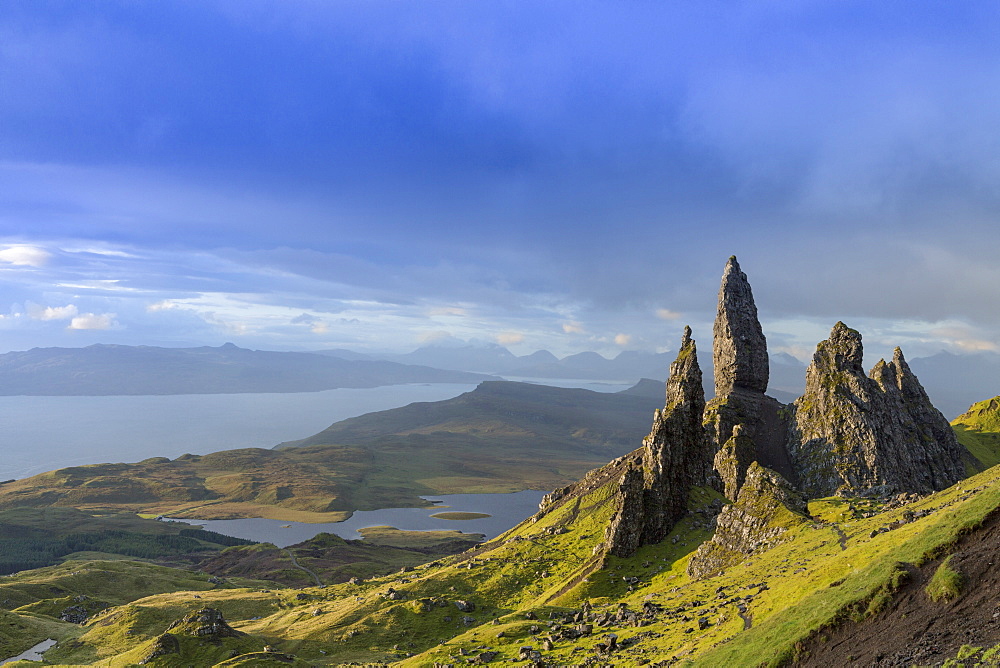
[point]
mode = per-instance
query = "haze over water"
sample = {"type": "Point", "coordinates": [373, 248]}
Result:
{"type": "Point", "coordinates": [45, 433]}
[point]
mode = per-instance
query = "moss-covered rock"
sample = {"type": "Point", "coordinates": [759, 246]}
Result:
{"type": "Point", "coordinates": [766, 508]}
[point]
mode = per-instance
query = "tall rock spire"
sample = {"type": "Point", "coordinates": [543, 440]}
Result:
{"type": "Point", "coordinates": [739, 352]}
{"type": "Point", "coordinates": [653, 492]}
{"type": "Point", "coordinates": [739, 349]}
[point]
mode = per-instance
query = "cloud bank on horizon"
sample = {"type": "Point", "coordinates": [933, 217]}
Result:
{"type": "Point", "coordinates": [561, 175]}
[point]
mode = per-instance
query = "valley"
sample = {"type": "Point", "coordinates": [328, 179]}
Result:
{"type": "Point", "coordinates": [741, 532]}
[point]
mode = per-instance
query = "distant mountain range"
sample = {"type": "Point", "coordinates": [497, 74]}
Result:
{"type": "Point", "coordinates": [118, 370]}
{"type": "Point", "coordinates": [953, 382]}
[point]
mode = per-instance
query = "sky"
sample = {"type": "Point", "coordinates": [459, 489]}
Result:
{"type": "Point", "coordinates": [561, 175]}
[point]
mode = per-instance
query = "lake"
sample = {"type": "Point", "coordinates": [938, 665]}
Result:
{"type": "Point", "coordinates": [44, 433]}
{"type": "Point", "coordinates": [505, 510]}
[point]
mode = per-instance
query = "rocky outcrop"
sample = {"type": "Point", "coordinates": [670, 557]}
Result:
{"type": "Point", "coordinates": [739, 353]}
{"type": "Point", "coordinates": [858, 435]}
{"type": "Point", "coordinates": [766, 508]}
{"type": "Point", "coordinates": [207, 623]}
{"type": "Point", "coordinates": [652, 493]}
{"type": "Point", "coordinates": [739, 349]}
{"type": "Point", "coordinates": [733, 460]}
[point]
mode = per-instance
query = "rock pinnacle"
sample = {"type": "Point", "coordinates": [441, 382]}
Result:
{"type": "Point", "coordinates": [739, 349]}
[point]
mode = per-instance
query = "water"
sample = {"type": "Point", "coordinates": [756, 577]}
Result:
{"type": "Point", "coordinates": [33, 654]}
{"type": "Point", "coordinates": [506, 511]}
{"type": "Point", "coordinates": [39, 434]}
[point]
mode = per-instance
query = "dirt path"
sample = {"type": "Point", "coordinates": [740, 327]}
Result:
{"type": "Point", "coordinates": [319, 583]}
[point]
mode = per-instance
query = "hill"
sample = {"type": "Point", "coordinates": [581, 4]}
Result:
{"type": "Point", "coordinates": [117, 370]}
{"type": "Point", "coordinates": [501, 437]}
{"type": "Point", "coordinates": [549, 588]}
{"type": "Point", "coordinates": [577, 419]}
{"type": "Point", "coordinates": [742, 532]}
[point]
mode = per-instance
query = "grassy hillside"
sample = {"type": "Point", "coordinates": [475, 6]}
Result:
{"type": "Point", "coordinates": [978, 429]}
{"type": "Point", "coordinates": [536, 585]}
{"type": "Point", "coordinates": [34, 537]}
{"type": "Point", "coordinates": [502, 437]}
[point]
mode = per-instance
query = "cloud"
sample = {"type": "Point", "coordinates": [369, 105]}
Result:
{"type": "Point", "coordinates": [966, 339]}
{"type": "Point", "coordinates": [320, 328]}
{"type": "Point", "coordinates": [667, 314]}
{"type": "Point", "coordinates": [435, 336]}
{"type": "Point", "coordinates": [448, 310]}
{"type": "Point", "coordinates": [623, 339]}
{"type": "Point", "coordinates": [305, 319]}
{"type": "Point", "coordinates": [573, 327]}
{"type": "Point", "coordinates": [510, 338]}
{"type": "Point", "coordinates": [93, 321]}
{"type": "Point", "coordinates": [164, 305]}
{"type": "Point", "coordinates": [31, 256]}
{"type": "Point", "coordinates": [38, 312]}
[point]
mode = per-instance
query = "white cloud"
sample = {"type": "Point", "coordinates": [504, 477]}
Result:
{"type": "Point", "coordinates": [667, 314]}
{"type": "Point", "coordinates": [164, 305]}
{"type": "Point", "coordinates": [510, 338]}
{"type": "Point", "coordinates": [573, 327]}
{"type": "Point", "coordinates": [93, 321]}
{"type": "Point", "coordinates": [38, 312]}
{"type": "Point", "coordinates": [31, 256]}
{"type": "Point", "coordinates": [623, 339]}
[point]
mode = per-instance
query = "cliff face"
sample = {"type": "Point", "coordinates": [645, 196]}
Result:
{"type": "Point", "coordinates": [652, 493]}
{"type": "Point", "coordinates": [853, 434]}
{"type": "Point", "coordinates": [739, 353]}
{"type": "Point", "coordinates": [739, 349]}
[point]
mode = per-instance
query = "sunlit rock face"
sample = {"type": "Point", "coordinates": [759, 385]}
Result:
{"type": "Point", "coordinates": [739, 349]}
{"type": "Point", "coordinates": [652, 493]}
{"type": "Point", "coordinates": [766, 508]}
{"type": "Point", "coordinates": [739, 354]}
{"type": "Point", "coordinates": [855, 434]}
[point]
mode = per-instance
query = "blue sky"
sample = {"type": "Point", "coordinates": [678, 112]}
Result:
{"type": "Point", "coordinates": [562, 175]}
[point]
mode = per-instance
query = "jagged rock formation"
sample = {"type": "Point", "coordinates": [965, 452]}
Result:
{"type": "Point", "coordinates": [733, 460]}
{"type": "Point", "coordinates": [766, 508]}
{"type": "Point", "coordinates": [852, 434]}
{"type": "Point", "coordinates": [739, 349]}
{"type": "Point", "coordinates": [739, 353]}
{"type": "Point", "coordinates": [652, 493]}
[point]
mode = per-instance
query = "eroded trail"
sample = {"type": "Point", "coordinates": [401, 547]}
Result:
{"type": "Point", "coordinates": [319, 583]}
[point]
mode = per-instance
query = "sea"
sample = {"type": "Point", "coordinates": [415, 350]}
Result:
{"type": "Point", "coordinates": [39, 434]}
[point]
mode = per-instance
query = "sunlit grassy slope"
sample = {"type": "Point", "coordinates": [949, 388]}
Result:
{"type": "Point", "coordinates": [515, 587]}
{"type": "Point", "coordinates": [978, 429]}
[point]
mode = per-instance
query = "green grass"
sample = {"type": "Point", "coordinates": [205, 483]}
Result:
{"type": "Point", "coordinates": [945, 584]}
{"type": "Point", "coordinates": [978, 429]}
